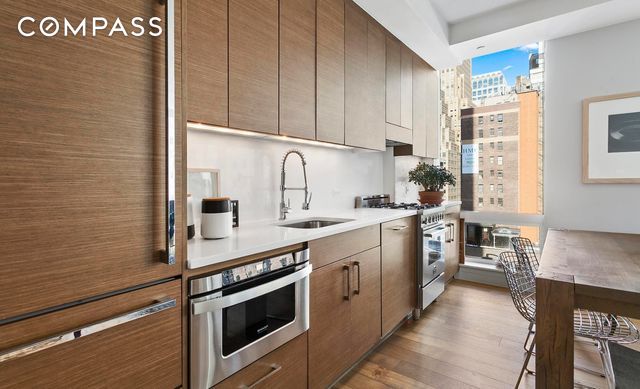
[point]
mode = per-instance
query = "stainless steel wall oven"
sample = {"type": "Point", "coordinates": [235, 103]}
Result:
{"type": "Point", "coordinates": [241, 314]}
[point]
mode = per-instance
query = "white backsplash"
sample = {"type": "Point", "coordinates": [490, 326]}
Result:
{"type": "Point", "coordinates": [405, 191]}
{"type": "Point", "coordinates": [250, 172]}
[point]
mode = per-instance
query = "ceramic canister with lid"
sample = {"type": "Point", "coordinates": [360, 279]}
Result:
{"type": "Point", "coordinates": [217, 219]}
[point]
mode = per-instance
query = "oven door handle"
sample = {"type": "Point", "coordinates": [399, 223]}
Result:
{"type": "Point", "coordinates": [221, 302]}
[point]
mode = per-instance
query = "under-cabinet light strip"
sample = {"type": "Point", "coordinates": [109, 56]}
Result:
{"type": "Point", "coordinates": [258, 135]}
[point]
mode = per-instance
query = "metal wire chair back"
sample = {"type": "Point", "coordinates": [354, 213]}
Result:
{"type": "Point", "coordinates": [521, 281]}
{"type": "Point", "coordinates": [524, 247]}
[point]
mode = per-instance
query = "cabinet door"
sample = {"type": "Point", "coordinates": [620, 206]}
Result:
{"type": "Point", "coordinates": [393, 84]}
{"type": "Point", "coordinates": [406, 88]}
{"type": "Point", "coordinates": [420, 76]}
{"type": "Point", "coordinates": [376, 86]}
{"type": "Point", "coordinates": [206, 62]}
{"type": "Point", "coordinates": [433, 114]}
{"type": "Point", "coordinates": [284, 368]}
{"type": "Point", "coordinates": [253, 65]}
{"type": "Point", "coordinates": [144, 352]}
{"type": "Point", "coordinates": [329, 329]}
{"type": "Point", "coordinates": [298, 68]}
{"type": "Point", "coordinates": [330, 71]}
{"type": "Point", "coordinates": [399, 286]}
{"type": "Point", "coordinates": [82, 161]}
{"type": "Point", "coordinates": [355, 83]}
{"type": "Point", "coordinates": [452, 248]}
{"type": "Point", "coordinates": [366, 328]}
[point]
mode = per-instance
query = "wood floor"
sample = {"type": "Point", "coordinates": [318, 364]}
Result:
{"type": "Point", "coordinates": [471, 337]}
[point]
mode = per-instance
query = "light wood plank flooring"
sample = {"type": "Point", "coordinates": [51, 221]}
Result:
{"type": "Point", "coordinates": [471, 337]}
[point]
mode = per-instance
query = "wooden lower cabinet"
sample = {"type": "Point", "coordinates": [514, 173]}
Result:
{"type": "Point", "coordinates": [141, 353]}
{"type": "Point", "coordinates": [399, 287]}
{"type": "Point", "coordinates": [452, 242]}
{"type": "Point", "coordinates": [345, 315]}
{"type": "Point", "coordinates": [284, 368]}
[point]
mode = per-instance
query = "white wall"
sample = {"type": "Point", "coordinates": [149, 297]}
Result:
{"type": "Point", "coordinates": [595, 63]}
{"type": "Point", "coordinates": [250, 172]}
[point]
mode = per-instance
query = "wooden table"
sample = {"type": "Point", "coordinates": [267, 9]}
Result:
{"type": "Point", "coordinates": [580, 269]}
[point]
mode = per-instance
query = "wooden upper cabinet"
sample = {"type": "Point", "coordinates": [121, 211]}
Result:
{"type": "Point", "coordinates": [393, 83]}
{"type": "Point", "coordinates": [253, 65]}
{"type": "Point", "coordinates": [82, 161]}
{"type": "Point", "coordinates": [365, 301]}
{"type": "Point", "coordinates": [206, 62]}
{"type": "Point", "coordinates": [355, 82]}
{"type": "Point", "coordinates": [298, 68]}
{"type": "Point", "coordinates": [330, 71]}
{"type": "Point", "coordinates": [419, 79]}
{"type": "Point", "coordinates": [406, 89]}
{"type": "Point", "coordinates": [376, 86]}
{"type": "Point", "coordinates": [433, 113]}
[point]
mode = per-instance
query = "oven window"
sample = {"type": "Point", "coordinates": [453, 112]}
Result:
{"type": "Point", "coordinates": [434, 250]}
{"type": "Point", "coordinates": [253, 319]}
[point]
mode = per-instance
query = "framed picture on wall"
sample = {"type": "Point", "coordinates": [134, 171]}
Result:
{"type": "Point", "coordinates": [611, 139]}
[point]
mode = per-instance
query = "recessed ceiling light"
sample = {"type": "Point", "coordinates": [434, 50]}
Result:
{"type": "Point", "coordinates": [480, 47]}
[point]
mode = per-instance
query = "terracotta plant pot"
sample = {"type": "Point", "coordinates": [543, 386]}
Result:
{"type": "Point", "coordinates": [430, 197]}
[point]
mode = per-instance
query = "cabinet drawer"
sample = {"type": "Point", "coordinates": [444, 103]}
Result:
{"type": "Point", "coordinates": [142, 349]}
{"type": "Point", "coordinates": [400, 229]}
{"type": "Point", "coordinates": [284, 368]}
{"type": "Point", "coordinates": [335, 247]}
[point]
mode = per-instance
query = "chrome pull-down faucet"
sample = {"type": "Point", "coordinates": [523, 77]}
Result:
{"type": "Point", "coordinates": [286, 207]}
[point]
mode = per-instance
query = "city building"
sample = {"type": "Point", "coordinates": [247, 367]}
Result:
{"type": "Point", "coordinates": [536, 68]}
{"type": "Point", "coordinates": [507, 139]}
{"type": "Point", "coordinates": [455, 85]}
{"type": "Point", "coordinates": [489, 85]}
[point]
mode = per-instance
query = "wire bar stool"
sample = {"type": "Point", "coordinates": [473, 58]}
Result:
{"type": "Point", "coordinates": [600, 327]}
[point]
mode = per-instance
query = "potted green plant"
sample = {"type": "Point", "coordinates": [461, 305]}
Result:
{"type": "Point", "coordinates": [433, 180]}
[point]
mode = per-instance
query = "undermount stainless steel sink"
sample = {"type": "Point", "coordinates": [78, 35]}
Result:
{"type": "Point", "coordinates": [314, 223]}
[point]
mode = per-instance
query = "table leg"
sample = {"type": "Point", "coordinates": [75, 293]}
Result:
{"type": "Point", "coordinates": [554, 331]}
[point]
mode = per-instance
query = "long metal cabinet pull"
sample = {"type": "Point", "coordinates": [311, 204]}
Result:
{"type": "Point", "coordinates": [357, 264]}
{"type": "Point", "coordinates": [347, 295]}
{"type": "Point", "coordinates": [44, 344]}
{"type": "Point", "coordinates": [170, 94]}
{"type": "Point", "coordinates": [274, 369]}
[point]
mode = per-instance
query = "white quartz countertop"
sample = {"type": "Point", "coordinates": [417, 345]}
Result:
{"type": "Point", "coordinates": [254, 238]}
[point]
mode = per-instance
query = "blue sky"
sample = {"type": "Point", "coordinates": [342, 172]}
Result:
{"type": "Point", "coordinates": [512, 62]}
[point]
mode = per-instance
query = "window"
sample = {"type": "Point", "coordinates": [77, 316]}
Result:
{"type": "Point", "coordinates": [491, 187]}
{"type": "Point", "coordinates": [475, 85]}
{"type": "Point", "coordinates": [491, 81]}
{"type": "Point", "coordinates": [491, 172]}
{"type": "Point", "coordinates": [480, 202]}
{"type": "Point", "coordinates": [492, 117]}
{"type": "Point", "coordinates": [500, 188]}
{"type": "Point", "coordinates": [500, 202]}
{"type": "Point", "coordinates": [480, 119]}
{"type": "Point", "coordinates": [500, 174]}
{"type": "Point", "coordinates": [500, 145]}
{"type": "Point", "coordinates": [492, 145]}
{"type": "Point", "coordinates": [491, 159]}
{"type": "Point", "coordinates": [480, 133]}
{"type": "Point", "coordinates": [492, 132]}
{"type": "Point", "coordinates": [499, 159]}
{"type": "Point", "coordinates": [481, 188]}
{"type": "Point", "coordinates": [500, 117]}
{"type": "Point", "coordinates": [495, 90]}
{"type": "Point", "coordinates": [481, 174]}
{"type": "Point", "coordinates": [474, 93]}
{"type": "Point", "coordinates": [480, 160]}
{"type": "Point", "coordinates": [480, 148]}
{"type": "Point", "coordinates": [500, 131]}
{"type": "Point", "coordinates": [491, 201]}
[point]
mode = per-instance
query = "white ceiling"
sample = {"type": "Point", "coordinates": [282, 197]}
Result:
{"type": "Point", "coordinates": [445, 32]}
{"type": "Point", "coordinates": [454, 11]}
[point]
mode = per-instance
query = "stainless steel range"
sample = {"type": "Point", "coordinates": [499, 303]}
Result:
{"type": "Point", "coordinates": [431, 244]}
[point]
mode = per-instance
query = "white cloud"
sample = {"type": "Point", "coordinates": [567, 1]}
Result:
{"type": "Point", "coordinates": [507, 67]}
{"type": "Point", "coordinates": [529, 47]}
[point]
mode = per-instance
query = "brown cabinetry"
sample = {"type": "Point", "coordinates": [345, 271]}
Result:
{"type": "Point", "coordinates": [284, 368]}
{"type": "Point", "coordinates": [399, 91]}
{"type": "Point", "coordinates": [83, 159]}
{"type": "Point", "coordinates": [393, 80]}
{"type": "Point", "coordinates": [452, 242]}
{"type": "Point", "coordinates": [376, 86]}
{"type": "Point", "coordinates": [419, 132]}
{"type": "Point", "coordinates": [406, 88]}
{"type": "Point", "coordinates": [253, 65]}
{"type": "Point", "coordinates": [330, 71]}
{"type": "Point", "coordinates": [297, 68]}
{"type": "Point", "coordinates": [399, 287]}
{"type": "Point", "coordinates": [142, 351]}
{"type": "Point", "coordinates": [206, 52]}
